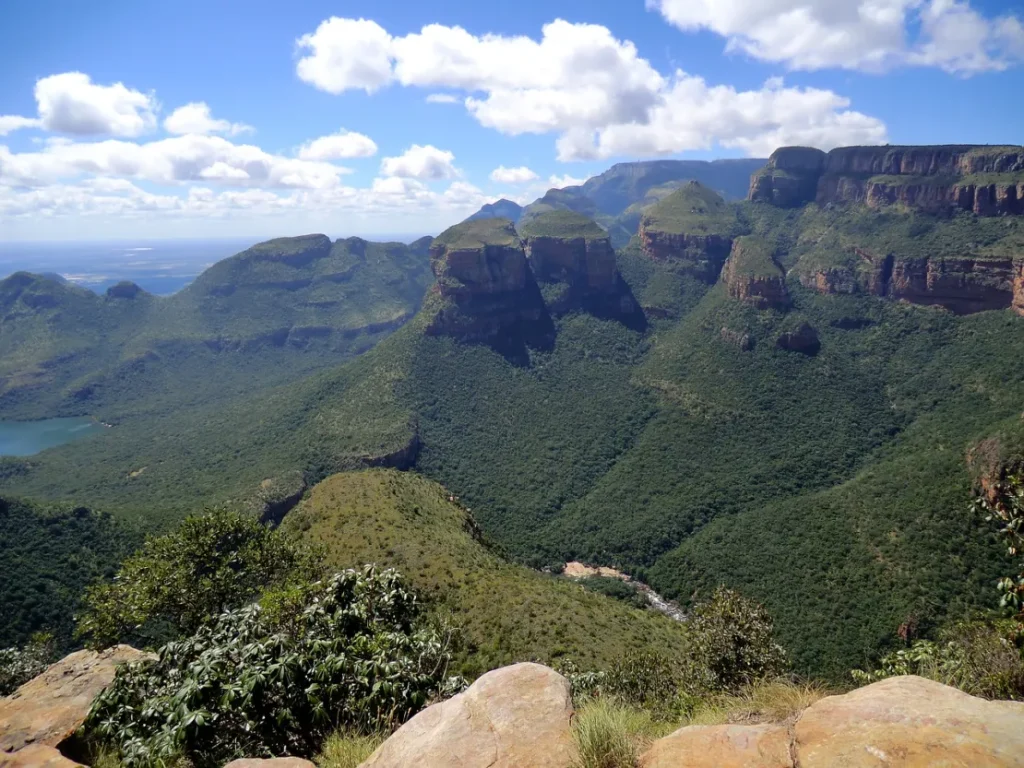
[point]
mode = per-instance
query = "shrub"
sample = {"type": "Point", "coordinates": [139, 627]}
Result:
{"type": "Point", "coordinates": [732, 643]}
{"type": "Point", "coordinates": [342, 653]}
{"type": "Point", "coordinates": [1005, 507]}
{"type": "Point", "coordinates": [979, 657]}
{"type": "Point", "coordinates": [19, 665]}
{"type": "Point", "coordinates": [617, 588]}
{"type": "Point", "coordinates": [175, 583]}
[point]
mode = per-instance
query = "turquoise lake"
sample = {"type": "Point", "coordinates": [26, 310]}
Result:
{"type": "Point", "coordinates": [24, 438]}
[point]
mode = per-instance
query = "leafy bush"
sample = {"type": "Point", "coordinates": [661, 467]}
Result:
{"type": "Point", "coordinates": [209, 564]}
{"type": "Point", "coordinates": [733, 644]}
{"type": "Point", "coordinates": [19, 665]}
{"type": "Point", "coordinates": [341, 653]}
{"type": "Point", "coordinates": [978, 657]}
{"type": "Point", "coordinates": [1005, 506]}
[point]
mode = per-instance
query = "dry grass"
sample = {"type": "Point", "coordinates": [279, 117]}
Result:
{"type": "Point", "coordinates": [771, 701]}
{"type": "Point", "coordinates": [613, 735]}
{"type": "Point", "coordinates": [347, 750]}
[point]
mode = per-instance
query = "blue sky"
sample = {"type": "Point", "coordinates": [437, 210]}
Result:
{"type": "Point", "coordinates": [127, 119]}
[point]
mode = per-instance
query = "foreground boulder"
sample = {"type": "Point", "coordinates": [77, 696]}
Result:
{"type": "Point", "coordinates": [908, 722]}
{"type": "Point", "coordinates": [515, 717]}
{"type": "Point", "coordinates": [49, 708]}
{"type": "Point", "coordinates": [272, 762]}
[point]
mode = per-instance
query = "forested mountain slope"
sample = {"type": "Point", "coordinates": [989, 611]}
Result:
{"type": "Point", "coordinates": [778, 399]}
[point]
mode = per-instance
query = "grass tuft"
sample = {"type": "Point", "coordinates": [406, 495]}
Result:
{"type": "Point", "coordinates": [347, 750]}
{"type": "Point", "coordinates": [613, 735]}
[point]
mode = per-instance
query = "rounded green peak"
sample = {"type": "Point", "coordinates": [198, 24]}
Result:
{"type": "Point", "coordinates": [478, 233]}
{"type": "Point", "coordinates": [563, 224]}
{"type": "Point", "coordinates": [692, 209]}
{"type": "Point", "coordinates": [289, 246]}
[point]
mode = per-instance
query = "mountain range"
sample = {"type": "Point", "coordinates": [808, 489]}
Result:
{"type": "Point", "coordinates": [794, 393]}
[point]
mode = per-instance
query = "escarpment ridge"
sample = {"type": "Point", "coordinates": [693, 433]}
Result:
{"type": "Point", "coordinates": [988, 180]}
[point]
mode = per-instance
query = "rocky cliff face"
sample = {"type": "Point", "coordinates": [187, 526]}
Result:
{"type": "Point", "coordinates": [751, 275]}
{"type": "Point", "coordinates": [708, 252]}
{"type": "Point", "coordinates": [962, 285]}
{"type": "Point", "coordinates": [587, 263]}
{"type": "Point", "coordinates": [484, 281]}
{"type": "Point", "coordinates": [986, 180]}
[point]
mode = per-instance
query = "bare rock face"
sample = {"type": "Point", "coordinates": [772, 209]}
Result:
{"type": "Point", "coordinates": [961, 285]}
{"type": "Point", "coordinates": [903, 722]}
{"type": "Point", "coordinates": [986, 180]}
{"type": "Point", "coordinates": [802, 339]}
{"type": "Point", "coordinates": [587, 263]}
{"type": "Point", "coordinates": [484, 280]}
{"type": "Point", "coordinates": [790, 178]}
{"type": "Point", "coordinates": [722, 746]}
{"type": "Point", "coordinates": [912, 722]}
{"type": "Point", "coordinates": [273, 762]}
{"type": "Point", "coordinates": [752, 276]}
{"type": "Point", "coordinates": [36, 756]}
{"type": "Point", "coordinates": [515, 717]}
{"type": "Point", "coordinates": [49, 708]}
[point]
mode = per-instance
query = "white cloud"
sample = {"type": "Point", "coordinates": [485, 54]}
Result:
{"type": "Point", "coordinates": [521, 175]}
{"type": "Point", "coordinates": [595, 92]}
{"type": "Point", "coordinates": [442, 98]}
{"type": "Point", "coordinates": [426, 162]}
{"type": "Point", "coordinates": [869, 35]}
{"type": "Point", "coordinates": [72, 103]}
{"type": "Point", "coordinates": [195, 118]}
{"type": "Point", "coordinates": [9, 123]}
{"type": "Point", "coordinates": [695, 115]}
{"type": "Point", "coordinates": [345, 54]}
{"type": "Point", "coordinates": [168, 161]}
{"type": "Point", "coordinates": [561, 182]}
{"type": "Point", "coordinates": [338, 146]}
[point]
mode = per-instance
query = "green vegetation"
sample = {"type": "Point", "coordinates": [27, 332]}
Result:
{"type": "Point", "coordinates": [616, 588]}
{"type": "Point", "coordinates": [180, 581]}
{"type": "Point", "coordinates": [562, 224]}
{"type": "Point", "coordinates": [265, 317]}
{"type": "Point", "coordinates": [344, 749]}
{"type": "Point", "coordinates": [693, 210]}
{"type": "Point", "coordinates": [343, 653]}
{"type": "Point", "coordinates": [505, 612]}
{"type": "Point", "coordinates": [983, 658]}
{"type": "Point", "coordinates": [612, 735]}
{"type": "Point", "coordinates": [478, 233]}
{"type": "Point", "coordinates": [19, 665]}
{"type": "Point", "coordinates": [48, 557]}
{"type": "Point", "coordinates": [753, 257]}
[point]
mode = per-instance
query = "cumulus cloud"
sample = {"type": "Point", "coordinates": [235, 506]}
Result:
{"type": "Point", "coordinates": [421, 162]}
{"type": "Point", "coordinates": [520, 175]}
{"type": "Point", "coordinates": [345, 54]}
{"type": "Point", "coordinates": [442, 98]}
{"type": "Point", "coordinates": [594, 91]}
{"type": "Point", "coordinates": [9, 123]}
{"type": "Point", "coordinates": [195, 117]}
{"type": "Point", "coordinates": [695, 115]}
{"type": "Point", "coordinates": [338, 146]}
{"type": "Point", "coordinates": [869, 35]}
{"type": "Point", "coordinates": [71, 103]}
{"type": "Point", "coordinates": [561, 182]}
{"type": "Point", "coordinates": [167, 161]}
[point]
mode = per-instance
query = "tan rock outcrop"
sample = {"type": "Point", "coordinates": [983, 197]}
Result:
{"type": "Point", "coordinates": [589, 263]}
{"type": "Point", "coordinates": [902, 722]}
{"type": "Point", "coordinates": [708, 252]}
{"type": "Point", "coordinates": [49, 708]}
{"type": "Point", "coordinates": [751, 275]}
{"type": "Point", "coordinates": [515, 717]}
{"type": "Point", "coordinates": [36, 756]}
{"type": "Point", "coordinates": [273, 762]}
{"type": "Point", "coordinates": [722, 746]}
{"type": "Point", "coordinates": [913, 723]}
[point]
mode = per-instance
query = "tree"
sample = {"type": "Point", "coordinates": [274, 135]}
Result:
{"type": "Point", "coordinates": [733, 643]}
{"type": "Point", "coordinates": [1004, 505]}
{"type": "Point", "coordinates": [347, 652]}
{"type": "Point", "coordinates": [178, 581]}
